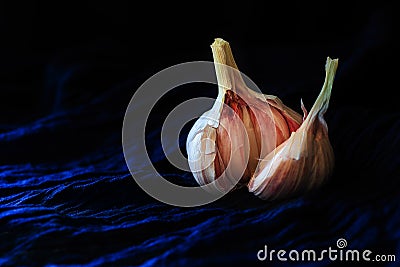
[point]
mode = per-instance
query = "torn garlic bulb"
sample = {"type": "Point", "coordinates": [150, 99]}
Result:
{"type": "Point", "coordinates": [242, 127]}
{"type": "Point", "coordinates": [306, 159]}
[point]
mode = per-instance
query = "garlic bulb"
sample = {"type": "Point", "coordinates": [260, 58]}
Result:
{"type": "Point", "coordinates": [257, 139]}
{"type": "Point", "coordinates": [242, 127]}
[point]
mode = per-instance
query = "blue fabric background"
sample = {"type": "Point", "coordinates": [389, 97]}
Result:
{"type": "Point", "coordinates": [67, 73]}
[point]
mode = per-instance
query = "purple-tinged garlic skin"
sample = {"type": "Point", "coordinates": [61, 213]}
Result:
{"type": "Point", "coordinates": [304, 161]}
{"type": "Point", "coordinates": [242, 126]}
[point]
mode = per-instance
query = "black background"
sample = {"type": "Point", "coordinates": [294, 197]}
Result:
{"type": "Point", "coordinates": [280, 46]}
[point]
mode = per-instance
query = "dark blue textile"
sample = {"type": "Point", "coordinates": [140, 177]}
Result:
{"type": "Point", "coordinates": [66, 196]}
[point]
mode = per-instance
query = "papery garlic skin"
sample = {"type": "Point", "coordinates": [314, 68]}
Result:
{"type": "Point", "coordinates": [242, 127]}
{"type": "Point", "coordinates": [306, 159]}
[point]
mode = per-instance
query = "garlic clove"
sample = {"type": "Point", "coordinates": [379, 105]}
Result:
{"type": "Point", "coordinates": [306, 159]}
